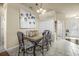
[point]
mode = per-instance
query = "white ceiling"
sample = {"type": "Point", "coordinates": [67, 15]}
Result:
{"type": "Point", "coordinates": [69, 9]}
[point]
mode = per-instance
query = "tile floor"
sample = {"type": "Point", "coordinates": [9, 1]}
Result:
{"type": "Point", "coordinates": [59, 48]}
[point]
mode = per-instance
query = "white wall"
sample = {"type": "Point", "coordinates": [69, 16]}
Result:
{"type": "Point", "coordinates": [46, 22]}
{"type": "Point", "coordinates": [47, 25]}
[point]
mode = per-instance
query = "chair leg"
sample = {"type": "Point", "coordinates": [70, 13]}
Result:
{"type": "Point", "coordinates": [47, 47]}
{"type": "Point", "coordinates": [26, 52]}
{"type": "Point", "coordinates": [43, 50]}
{"type": "Point", "coordinates": [50, 43]}
{"type": "Point", "coordinates": [23, 52]}
{"type": "Point", "coordinates": [19, 51]}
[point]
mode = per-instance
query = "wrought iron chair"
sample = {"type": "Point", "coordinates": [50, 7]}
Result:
{"type": "Point", "coordinates": [22, 47]}
{"type": "Point", "coordinates": [21, 43]}
{"type": "Point", "coordinates": [46, 41]}
{"type": "Point", "coordinates": [48, 37]}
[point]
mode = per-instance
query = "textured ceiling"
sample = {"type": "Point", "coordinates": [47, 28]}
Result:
{"type": "Point", "coordinates": [69, 9]}
{"type": "Point", "coordinates": [66, 8]}
{"type": "Point", "coordinates": [55, 6]}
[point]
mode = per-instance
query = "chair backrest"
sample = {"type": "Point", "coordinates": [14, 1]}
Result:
{"type": "Point", "coordinates": [47, 34]}
{"type": "Point", "coordinates": [20, 39]}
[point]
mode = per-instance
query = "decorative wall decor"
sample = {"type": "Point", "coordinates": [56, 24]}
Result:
{"type": "Point", "coordinates": [27, 19]}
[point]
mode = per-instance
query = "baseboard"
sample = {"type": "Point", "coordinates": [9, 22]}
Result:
{"type": "Point", "coordinates": [2, 50]}
{"type": "Point", "coordinates": [9, 48]}
{"type": "Point", "coordinates": [12, 48]}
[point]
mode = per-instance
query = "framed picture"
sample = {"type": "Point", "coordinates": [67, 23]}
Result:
{"type": "Point", "coordinates": [26, 20]}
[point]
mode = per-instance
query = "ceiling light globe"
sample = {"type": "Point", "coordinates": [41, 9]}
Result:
{"type": "Point", "coordinates": [43, 13]}
{"type": "Point", "coordinates": [44, 10]}
{"type": "Point", "coordinates": [38, 11]}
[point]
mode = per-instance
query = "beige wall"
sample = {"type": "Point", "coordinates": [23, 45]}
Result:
{"type": "Point", "coordinates": [1, 9]}
{"type": "Point", "coordinates": [13, 24]}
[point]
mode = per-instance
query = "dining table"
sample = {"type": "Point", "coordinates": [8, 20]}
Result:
{"type": "Point", "coordinates": [35, 41]}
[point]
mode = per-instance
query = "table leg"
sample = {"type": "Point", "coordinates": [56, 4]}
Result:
{"type": "Point", "coordinates": [34, 48]}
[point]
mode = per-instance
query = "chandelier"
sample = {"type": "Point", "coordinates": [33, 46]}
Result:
{"type": "Point", "coordinates": [40, 10]}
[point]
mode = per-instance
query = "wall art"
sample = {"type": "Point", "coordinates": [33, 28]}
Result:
{"type": "Point", "coordinates": [27, 19]}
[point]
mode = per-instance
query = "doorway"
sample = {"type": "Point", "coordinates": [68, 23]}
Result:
{"type": "Point", "coordinates": [59, 29]}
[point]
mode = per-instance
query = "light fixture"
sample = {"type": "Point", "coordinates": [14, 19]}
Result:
{"type": "Point", "coordinates": [44, 10]}
{"type": "Point", "coordinates": [41, 10]}
{"type": "Point", "coordinates": [38, 11]}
